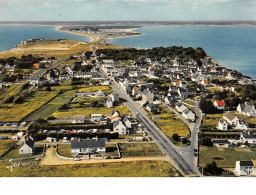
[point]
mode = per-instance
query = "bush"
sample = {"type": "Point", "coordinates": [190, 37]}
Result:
{"type": "Point", "coordinates": [9, 100]}
{"type": "Point", "coordinates": [175, 137]}
{"type": "Point", "coordinates": [212, 169]}
{"type": "Point", "coordinates": [207, 142]}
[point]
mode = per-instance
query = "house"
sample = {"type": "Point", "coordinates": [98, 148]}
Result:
{"type": "Point", "coordinates": [248, 136]}
{"type": "Point", "coordinates": [127, 122]}
{"type": "Point", "coordinates": [172, 97]}
{"type": "Point", "coordinates": [99, 94]}
{"type": "Point", "coordinates": [109, 103]}
{"type": "Point", "coordinates": [96, 117]}
{"type": "Point", "coordinates": [230, 118]}
{"type": "Point", "coordinates": [34, 80]}
{"type": "Point", "coordinates": [221, 143]}
{"type": "Point", "coordinates": [152, 107]}
{"type": "Point", "coordinates": [147, 96]}
{"type": "Point", "coordinates": [78, 119]}
{"type": "Point", "coordinates": [27, 146]}
{"type": "Point", "coordinates": [204, 82]}
{"type": "Point", "coordinates": [119, 127]}
{"type": "Point", "coordinates": [244, 168]}
{"type": "Point", "coordinates": [246, 109]}
{"type": "Point", "coordinates": [241, 124]}
{"type": "Point", "coordinates": [223, 125]}
{"type": "Point", "coordinates": [180, 107]}
{"type": "Point", "coordinates": [189, 115]}
{"type": "Point", "coordinates": [220, 105]}
{"type": "Point", "coordinates": [114, 97]}
{"type": "Point", "coordinates": [115, 115]}
{"type": "Point", "coordinates": [88, 146]}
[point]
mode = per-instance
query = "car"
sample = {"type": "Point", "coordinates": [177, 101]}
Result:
{"type": "Point", "coordinates": [77, 159]}
{"type": "Point", "coordinates": [195, 150]}
{"type": "Point", "coordinates": [108, 157]}
{"type": "Point", "coordinates": [195, 154]}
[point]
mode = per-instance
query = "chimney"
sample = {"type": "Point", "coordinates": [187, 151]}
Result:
{"type": "Point", "coordinates": [97, 138]}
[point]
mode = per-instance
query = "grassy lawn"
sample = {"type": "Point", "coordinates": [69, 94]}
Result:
{"type": "Point", "coordinates": [87, 99]}
{"type": "Point", "coordinates": [170, 124]}
{"type": "Point", "coordinates": [87, 111]}
{"type": "Point", "coordinates": [11, 91]}
{"type": "Point", "coordinates": [48, 109]}
{"type": "Point", "coordinates": [111, 150]}
{"type": "Point", "coordinates": [19, 111]}
{"type": "Point", "coordinates": [250, 120]}
{"type": "Point", "coordinates": [213, 89]}
{"type": "Point", "coordinates": [189, 102]}
{"type": "Point", "coordinates": [14, 154]}
{"type": "Point", "coordinates": [139, 149]}
{"type": "Point", "coordinates": [88, 88]}
{"type": "Point", "coordinates": [5, 144]}
{"type": "Point", "coordinates": [120, 169]}
{"type": "Point", "coordinates": [211, 120]}
{"type": "Point", "coordinates": [226, 157]}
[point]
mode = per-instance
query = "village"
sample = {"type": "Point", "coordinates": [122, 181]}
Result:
{"type": "Point", "coordinates": [79, 108]}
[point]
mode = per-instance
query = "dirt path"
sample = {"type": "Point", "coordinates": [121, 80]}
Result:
{"type": "Point", "coordinates": [50, 158]}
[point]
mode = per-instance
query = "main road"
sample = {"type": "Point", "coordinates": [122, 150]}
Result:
{"type": "Point", "coordinates": [184, 165]}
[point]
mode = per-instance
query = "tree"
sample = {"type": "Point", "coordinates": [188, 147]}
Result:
{"type": "Point", "coordinates": [212, 169]}
{"type": "Point", "coordinates": [175, 137]}
{"type": "Point", "coordinates": [206, 141]}
{"type": "Point", "coordinates": [64, 107]}
{"type": "Point", "coordinates": [18, 100]}
{"type": "Point", "coordinates": [48, 88]}
{"type": "Point", "coordinates": [9, 100]}
{"type": "Point", "coordinates": [207, 106]}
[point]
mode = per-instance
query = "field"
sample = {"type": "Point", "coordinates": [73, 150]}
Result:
{"type": "Point", "coordinates": [211, 120]}
{"type": "Point", "coordinates": [19, 111]}
{"type": "Point", "coordinates": [14, 154]}
{"type": "Point", "coordinates": [48, 109]}
{"type": "Point", "coordinates": [5, 145]}
{"type": "Point", "coordinates": [139, 149]}
{"type": "Point", "coordinates": [226, 157]}
{"type": "Point", "coordinates": [59, 49]}
{"type": "Point", "coordinates": [87, 111]}
{"type": "Point", "coordinates": [104, 88]}
{"type": "Point", "coordinates": [120, 169]}
{"type": "Point", "coordinates": [171, 124]}
{"type": "Point", "coordinates": [11, 91]}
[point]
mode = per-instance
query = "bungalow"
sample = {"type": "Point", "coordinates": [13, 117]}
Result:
{"type": "Point", "coordinates": [119, 127]}
{"type": "Point", "coordinates": [220, 105]}
{"type": "Point", "coordinates": [221, 143]}
{"type": "Point", "coordinates": [96, 117]}
{"type": "Point", "coordinates": [153, 107]}
{"type": "Point", "coordinates": [231, 119]}
{"type": "Point", "coordinates": [147, 96]}
{"type": "Point", "coordinates": [34, 80]}
{"type": "Point", "coordinates": [246, 109]}
{"type": "Point", "coordinates": [189, 115]}
{"type": "Point", "coordinates": [127, 122]}
{"type": "Point", "coordinates": [180, 107]}
{"type": "Point", "coordinates": [78, 119]}
{"type": "Point", "coordinates": [27, 146]}
{"type": "Point", "coordinates": [223, 125]}
{"type": "Point", "coordinates": [244, 168]}
{"type": "Point", "coordinates": [88, 146]}
{"type": "Point", "coordinates": [248, 136]}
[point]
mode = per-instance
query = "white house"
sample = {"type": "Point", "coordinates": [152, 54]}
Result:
{"type": "Point", "coordinates": [223, 125]}
{"type": "Point", "coordinates": [244, 168]}
{"type": "Point", "coordinates": [180, 107]}
{"type": "Point", "coordinates": [248, 136]}
{"type": "Point", "coordinates": [246, 109]}
{"type": "Point", "coordinates": [109, 103]}
{"type": "Point", "coordinates": [127, 122]}
{"type": "Point", "coordinates": [189, 115]}
{"type": "Point", "coordinates": [88, 146]}
{"type": "Point", "coordinates": [34, 80]}
{"type": "Point", "coordinates": [78, 119]}
{"type": "Point", "coordinates": [119, 127]}
{"type": "Point", "coordinates": [231, 119]}
{"type": "Point", "coordinates": [147, 96]}
{"type": "Point", "coordinates": [96, 117]}
{"type": "Point", "coordinates": [114, 97]}
{"type": "Point", "coordinates": [27, 146]}
{"type": "Point", "coordinates": [220, 105]}
{"type": "Point", "coordinates": [241, 124]}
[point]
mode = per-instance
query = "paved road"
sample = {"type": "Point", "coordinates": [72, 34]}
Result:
{"type": "Point", "coordinates": [164, 142]}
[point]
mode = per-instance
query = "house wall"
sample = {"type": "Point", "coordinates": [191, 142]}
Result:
{"type": "Point", "coordinates": [26, 150]}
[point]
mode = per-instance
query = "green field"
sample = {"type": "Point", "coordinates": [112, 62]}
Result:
{"type": "Point", "coordinates": [5, 145]}
{"type": "Point", "coordinates": [211, 120]}
{"type": "Point", "coordinates": [90, 88]}
{"type": "Point", "coordinates": [170, 124]}
{"type": "Point", "coordinates": [225, 157]}
{"type": "Point", "coordinates": [19, 111]}
{"type": "Point", "coordinates": [89, 110]}
{"type": "Point", "coordinates": [139, 149]}
{"type": "Point", "coordinates": [120, 169]}
{"type": "Point", "coordinates": [48, 109]}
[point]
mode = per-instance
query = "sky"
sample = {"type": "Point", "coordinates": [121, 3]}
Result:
{"type": "Point", "coordinates": [111, 10]}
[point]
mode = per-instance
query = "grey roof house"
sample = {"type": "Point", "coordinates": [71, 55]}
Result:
{"type": "Point", "coordinates": [88, 146]}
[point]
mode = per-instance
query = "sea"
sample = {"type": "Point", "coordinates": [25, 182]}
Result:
{"type": "Point", "coordinates": [231, 46]}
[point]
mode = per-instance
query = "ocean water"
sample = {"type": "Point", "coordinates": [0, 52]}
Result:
{"type": "Point", "coordinates": [233, 47]}
{"type": "Point", "coordinates": [12, 35]}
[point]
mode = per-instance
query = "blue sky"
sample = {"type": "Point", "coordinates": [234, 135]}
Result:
{"type": "Point", "coordinates": [82, 10]}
